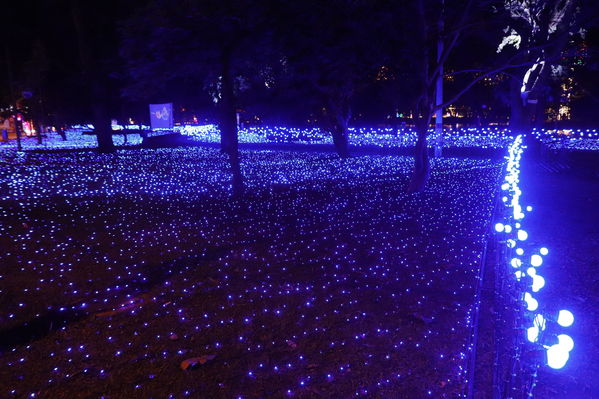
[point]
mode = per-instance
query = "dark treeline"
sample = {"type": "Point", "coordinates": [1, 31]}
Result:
{"type": "Point", "coordinates": [331, 63]}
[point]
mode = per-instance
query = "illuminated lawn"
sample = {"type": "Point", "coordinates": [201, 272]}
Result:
{"type": "Point", "coordinates": [327, 280]}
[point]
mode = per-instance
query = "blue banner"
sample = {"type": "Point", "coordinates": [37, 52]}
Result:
{"type": "Point", "coordinates": [161, 116]}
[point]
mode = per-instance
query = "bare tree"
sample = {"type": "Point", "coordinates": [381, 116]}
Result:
{"type": "Point", "coordinates": [94, 77]}
{"type": "Point", "coordinates": [538, 32]}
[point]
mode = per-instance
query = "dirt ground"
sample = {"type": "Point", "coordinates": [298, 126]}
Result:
{"type": "Point", "coordinates": [565, 196]}
{"type": "Point", "coordinates": [325, 280]}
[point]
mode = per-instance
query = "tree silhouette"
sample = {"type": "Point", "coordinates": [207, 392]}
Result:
{"type": "Point", "coordinates": [216, 45]}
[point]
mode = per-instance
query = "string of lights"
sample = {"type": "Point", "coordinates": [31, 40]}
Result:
{"type": "Point", "coordinates": [80, 136]}
{"type": "Point", "coordinates": [274, 286]}
{"type": "Point", "coordinates": [568, 139]}
{"type": "Point", "coordinates": [543, 328]}
{"type": "Point", "coordinates": [174, 200]}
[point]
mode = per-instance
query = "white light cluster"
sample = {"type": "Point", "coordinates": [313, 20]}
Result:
{"type": "Point", "coordinates": [80, 136]}
{"type": "Point", "coordinates": [524, 263]}
{"type": "Point", "coordinates": [375, 137]}
{"type": "Point", "coordinates": [75, 138]}
{"type": "Point", "coordinates": [568, 139]}
{"type": "Point", "coordinates": [324, 278]}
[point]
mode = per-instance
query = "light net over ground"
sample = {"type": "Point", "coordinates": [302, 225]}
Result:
{"type": "Point", "coordinates": [326, 279]}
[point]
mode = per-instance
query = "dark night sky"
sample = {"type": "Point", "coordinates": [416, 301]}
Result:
{"type": "Point", "coordinates": [43, 37]}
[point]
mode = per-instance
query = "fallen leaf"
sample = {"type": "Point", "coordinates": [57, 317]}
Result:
{"type": "Point", "coordinates": [130, 304]}
{"type": "Point", "coordinates": [292, 344]}
{"type": "Point", "coordinates": [193, 362]}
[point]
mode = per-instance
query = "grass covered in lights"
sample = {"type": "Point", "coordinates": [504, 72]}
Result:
{"type": "Point", "coordinates": [325, 280]}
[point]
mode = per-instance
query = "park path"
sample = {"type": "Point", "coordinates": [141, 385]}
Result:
{"type": "Point", "coordinates": [566, 220]}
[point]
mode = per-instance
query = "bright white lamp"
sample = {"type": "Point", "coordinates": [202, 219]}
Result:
{"type": "Point", "coordinates": [557, 356]}
{"type": "Point", "coordinates": [522, 235]}
{"type": "Point", "coordinates": [565, 341]}
{"type": "Point", "coordinates": [536, 260]}
{"type": "Point", "coordinates": [531, 303]}
{"type": "Point", "coordinates": [538, 282]}
{"type": "Point", "coordinates": [532, 333]}
{"type": "Point", "coordinates": [565, 318]}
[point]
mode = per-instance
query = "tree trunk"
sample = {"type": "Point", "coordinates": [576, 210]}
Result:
{"type": "Point", "coordinates": [425, 104]}
{"type": "Point", "coordinates": [340, 138]}
{"type": "Point", "coordinates": [18, 133]}
{"type": "Point", "coordinates": [421, 159]}
{"type": "Point", "coordinates": [540, 115]}
{"type": "Point", "coordinates": [339, 113]}
{"type": "Point", "coordinates": [228, 123]}
{"type": "Point", "coordinates": [93, 77]}
{"type": "Point", "coordinates": [519, 120]}
{"type": "Point", "coordinates": [103, 129]}
{"type": "Point", "coordinates": [39, 129]}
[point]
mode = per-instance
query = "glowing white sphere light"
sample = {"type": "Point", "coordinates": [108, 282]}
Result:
{"type": "Point", "coordinates": [544, 251]}
{"type": "Point", "coordinates": [531, 271]}
{"type": "Point", "coordinates": [519, 251]}
{"type": "Point", "coordinates": [557, 357]}
{"type": "Point", "coordinates": [539, 321]}
{"type": "Point", "coordinates": [499, 227]}
{"type": "Point", "coordinates": [565, 318]}
{"type": "Point", "coordinates": [536, 260]}
{"type": "Point", "coordinates": [531, 303]}
{"type": "Point", "coordinates": [519, 274]}
{"type": "Point", "coordinates": [522, 235]}
{"type": "Point", "coordinates": [538, 282]}
{"type": "Point", "coordinates": [532, 333]}
{"type": "Point", "coordinates": [566, 342]}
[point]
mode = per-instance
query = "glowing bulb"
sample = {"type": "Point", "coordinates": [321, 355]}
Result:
{"type": "Point", "coordinates": [539, 321]}
{"type": "Point", "coordinates": [531, 271]}
{"type": "Point", "coordinates": [507, 228]}
{"type": "Point", "coordinates": [566, 342]}
{"type": "Point", "coordinates": [522, 235]}
{"type": "Point", "coordinates": [565, 318]}
{"type": "Point", "coordinates": [544, 251]}
{"type": "Point", "coordinates": [538, 282]}
{"type": "Point", "coordinates": [532, 333]}
{"type": "Point", "coordinates": [529, 208]}
{"type": "Point", "coordinates": [499, 227]}
{"type": "Point", "coordinates": [536, 260]}
{"type": "Point", "coordinates": [557, 357]}
{"type": "Point", "coordinates": [519, 251]}
{"type": "Point", "coordinates": [531, 303]}
{"type": "Point", "coordinates": [511, 243]}
{"type": "Point", "coordinates": [516, 262]}
{"type": "Point", "coordinates": [519, 274]}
